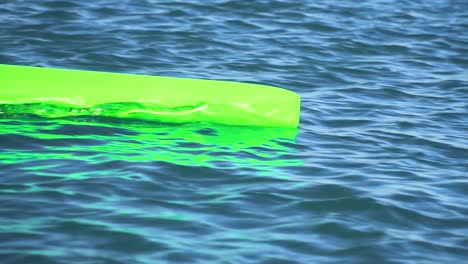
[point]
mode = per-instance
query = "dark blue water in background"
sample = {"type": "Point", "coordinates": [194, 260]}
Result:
{"type": "Point", "coordinates": [377, 173]}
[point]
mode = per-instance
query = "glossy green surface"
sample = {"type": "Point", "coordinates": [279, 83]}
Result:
{"type": "Point", "coordinates": [62, 93]}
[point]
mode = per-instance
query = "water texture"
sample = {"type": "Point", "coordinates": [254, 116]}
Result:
{"type": "Point", "coordinates": [376, 172]}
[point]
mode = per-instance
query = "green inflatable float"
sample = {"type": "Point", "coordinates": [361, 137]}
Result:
{"type": "Point", "coordinates": [56, 93]}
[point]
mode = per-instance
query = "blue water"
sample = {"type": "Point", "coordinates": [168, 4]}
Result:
{"type": "Point", "coordinates": [376, 172]}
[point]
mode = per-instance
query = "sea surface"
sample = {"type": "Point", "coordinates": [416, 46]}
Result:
{"type": "Point", "coordinates": [377, 171]}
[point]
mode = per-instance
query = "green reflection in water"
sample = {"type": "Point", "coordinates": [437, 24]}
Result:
{"type": "Point", "coordinates": [43, 143]}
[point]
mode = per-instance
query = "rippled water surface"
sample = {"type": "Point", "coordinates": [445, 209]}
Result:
{"type": "Point", "coordinates": [376, 172]}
